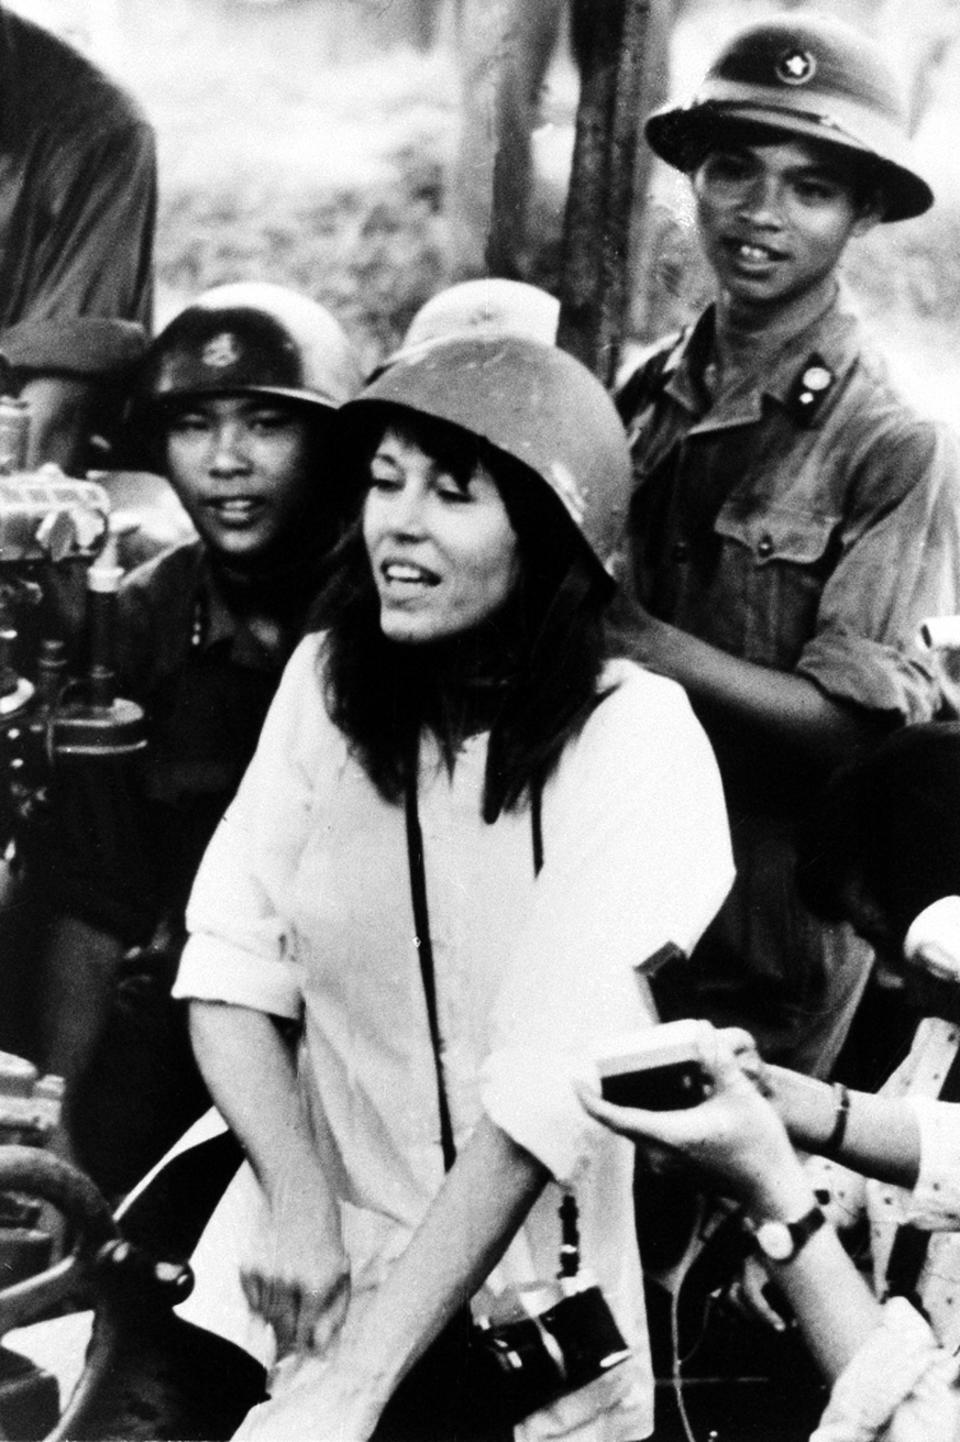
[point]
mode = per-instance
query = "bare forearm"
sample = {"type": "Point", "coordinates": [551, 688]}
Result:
{"type": "Point", "coordinates": [252, 1079]}
{"type": "Point", "coordinates": [300, 1284]}
{"type": "Point", "coordinates": [738, 1138]}
{"type": "Point", "coordinates": [778, 704]}
{"type": "Point", "coordinates": [882, 1137]}
{"type": "Point", "coordinates": [468, 1228]}
{"type": "Point", "coordinates": [833, 1305]}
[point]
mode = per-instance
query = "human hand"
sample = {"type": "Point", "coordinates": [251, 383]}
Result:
{"type": "Point", "coordinates": [317, 1396]}
{"type": "Point", "coordinates": [750, 1294]}
{"type": "Point", "coordinates": [735, 1136]}
{"type": "Point", "coordinates": [748, 1058]}
{"type": "Point", "coordinates": [302, 1289]}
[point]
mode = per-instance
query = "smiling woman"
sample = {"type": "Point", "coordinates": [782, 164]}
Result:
{"type": "Point", "coordinates": [454, 751]}
{"type": "Point", "coordinates": [443, 551]}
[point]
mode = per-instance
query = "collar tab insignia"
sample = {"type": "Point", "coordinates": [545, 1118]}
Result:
{"type": "Point", "coordinates": [813, 385]}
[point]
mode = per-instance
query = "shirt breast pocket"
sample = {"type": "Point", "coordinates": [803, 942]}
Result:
{"type": "Point", "coordinates": [779, 559]}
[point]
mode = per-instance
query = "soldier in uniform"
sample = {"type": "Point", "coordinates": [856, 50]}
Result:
{"type": "Point", "coordinates": [792, 520]}
{"type": "Point", "coordinates": [77, 210]}
{"type": "Point", "coordinates": [237, 398]}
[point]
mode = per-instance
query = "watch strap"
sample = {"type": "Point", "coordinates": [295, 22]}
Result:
{"type": "Point", "coordinates": [780, 1241]}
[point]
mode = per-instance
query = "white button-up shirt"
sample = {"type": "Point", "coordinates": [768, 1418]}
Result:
{"type": "Point", "coordinates": [302, 909]}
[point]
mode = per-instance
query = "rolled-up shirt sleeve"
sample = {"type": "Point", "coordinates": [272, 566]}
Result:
{"type": "Point", "coordinates": [900, 1386]}
{"type": "Point", "coordinates": [239, 947]}
{"type": "Point", "coordinates": [81, 290]}
{"type": "Point", "coordinates": [89, 345]}
{"type": "Point", "coordinates": [899, 564]}
{"type": "Point", "coordinates": [934, 1203]}
{"type": "Point", "coordinates": [637, 855]}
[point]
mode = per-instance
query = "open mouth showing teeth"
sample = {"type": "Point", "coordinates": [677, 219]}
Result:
{"type": "Point", "coordinates": [758, 253]}
{"type": "Point", "coordinates": [240, 508]}
{"type": "Point", "coordinates": [405, 574]}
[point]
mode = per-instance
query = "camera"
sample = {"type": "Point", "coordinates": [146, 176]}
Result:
{"type": "Point", "coordinates": [657, 1068]}
{"type": "Point", "coordinates": [543, 1340]}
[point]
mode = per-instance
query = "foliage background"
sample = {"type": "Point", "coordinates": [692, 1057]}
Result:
{"type": "Point", "coordinates": [311, 142]}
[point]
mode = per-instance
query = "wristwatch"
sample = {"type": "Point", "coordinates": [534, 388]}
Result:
{"type": "Point", "coordinates": [781, 1241]}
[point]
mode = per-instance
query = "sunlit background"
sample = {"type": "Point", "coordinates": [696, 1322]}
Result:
{"type": "Point", "coordinates": [312, 142]}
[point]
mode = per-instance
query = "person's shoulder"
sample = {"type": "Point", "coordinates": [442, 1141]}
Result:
{"type": "Point", "coordinates": [638, 689]}
{"type": "Point", "coordinates": [620, 674]}
{"type": "Point", "coordinates": [892, 442]}
{"type": "Point", "coordinates": [646, 371]}
{"type": "Point", "coordinates": [877, 404]}
{"type": "Point", "coordinates": [641, 711]}
{"type": "Point", "coordinates": [300, 715]}
{"type": "Point", "coordinates": [640, 741]}
{"type": "Point", "coordinates": [309, 654]}
{"type": "Point", "coordinates": [174, 572]}
{"type": "Point", "coordinates": [304, 679]}
{"type": "Point", "coordinates": [156, 608]}
{"type": "Point", "coordinates": [50, 83]}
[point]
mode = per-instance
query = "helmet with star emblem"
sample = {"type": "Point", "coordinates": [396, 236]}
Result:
{"type": "Point", "coordinates": [535, 404]}
{"type": "Point", "coordinates": [490, 304]}
{"type": "Point", "coordinates": [806, 76]}
{"type": "Point", "coordinates": [256, 338]}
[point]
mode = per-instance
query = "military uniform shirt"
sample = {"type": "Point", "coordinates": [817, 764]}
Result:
{"type": "Point", "coordinates": [806, 520]}
{"type": "Point", "coordinates": [126, 846]}
{"type": "Point", "coordinates": [77, 210]}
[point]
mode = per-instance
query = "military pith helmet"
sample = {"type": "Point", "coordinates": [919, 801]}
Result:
{"type": "Point", "coordinates": [806, 76]}
{"type": "Point", "coordinates": [533, 402]}
{"type": "Point", "coordinates": [493, 305]}
{"type": "Point", "coordinates": [252, 338]}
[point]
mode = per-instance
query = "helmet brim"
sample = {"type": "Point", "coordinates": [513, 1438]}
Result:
{"type": "Point", "coordinates": [684, 135]}
{"type": "Point", "coordinates": [288, 393]}
{"type": "Point", "coordinates": [536, 404]}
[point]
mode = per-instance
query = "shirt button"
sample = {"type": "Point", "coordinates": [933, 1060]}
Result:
{"type": "Point", "coordinates": [681, 550]}
{"type": "Point", "coordinates": [765, 547]}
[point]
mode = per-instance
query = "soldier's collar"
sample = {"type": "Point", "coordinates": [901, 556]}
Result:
{"type": "Point", "coordinates": [213, 619]}
{"type": "Point", "coordinates": [802, 377]}
{"type": "Point", "coordinates": [806, 377]}
{"type": "Point", "coordinates": [684, 363]}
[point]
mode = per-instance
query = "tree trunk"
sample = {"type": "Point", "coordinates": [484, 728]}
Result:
{"type": "Point", "coordinates": [594, 286]}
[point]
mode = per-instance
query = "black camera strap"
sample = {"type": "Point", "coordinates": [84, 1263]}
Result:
{"type": "Point", "coordinates": [424, 945]}
{"type": "Point", "coordinates": [422, 940]}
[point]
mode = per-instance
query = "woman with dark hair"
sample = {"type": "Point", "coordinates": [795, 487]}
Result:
{"type": "Point", "coordinates": [462, 835]}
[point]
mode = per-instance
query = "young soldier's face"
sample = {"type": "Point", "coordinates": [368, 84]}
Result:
{"type": "Point", "coordinates": [774, 219]}
{"type": "Point", "coordinates": [241, 467]}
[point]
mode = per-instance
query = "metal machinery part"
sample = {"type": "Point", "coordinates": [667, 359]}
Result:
{"type": "Point", "coordinates": [52, 529]}
{"type": "Point", "coordinates": [147, 1372]}
{"type": "Point", "coordinates": [102, 1270]}
{"type": "Point", "coordinates": [55, 537]}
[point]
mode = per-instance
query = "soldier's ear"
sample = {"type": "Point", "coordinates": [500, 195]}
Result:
{"type": "Point", "coordinates": [870, 212]}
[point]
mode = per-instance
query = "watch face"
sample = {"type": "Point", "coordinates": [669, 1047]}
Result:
{"type": "Point", "coordinates": [775, 1240]}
